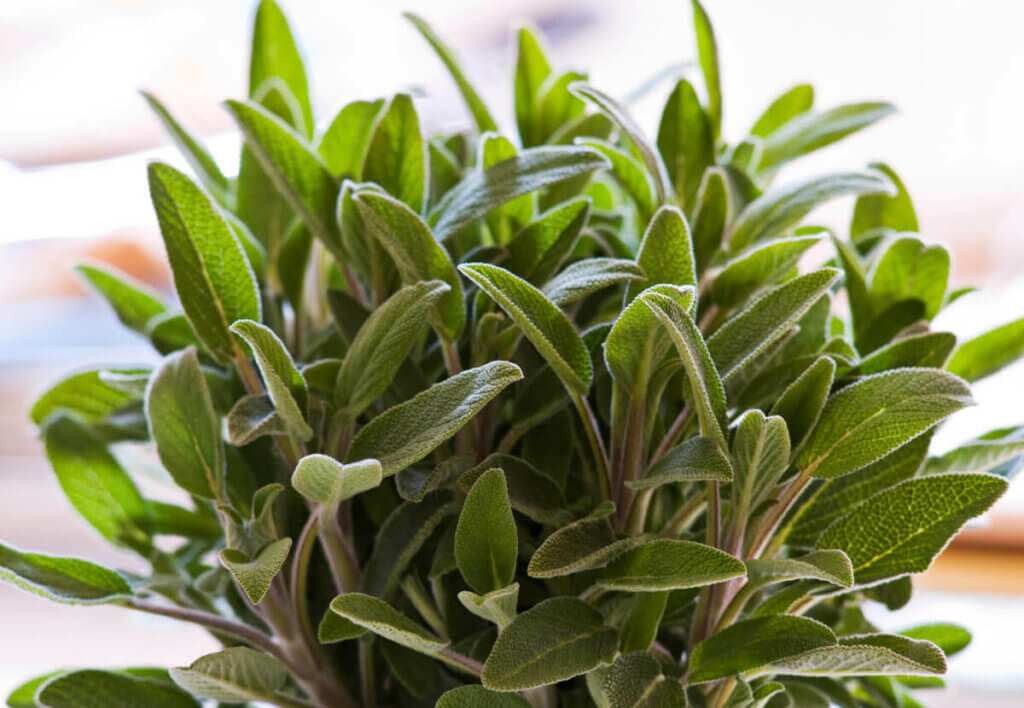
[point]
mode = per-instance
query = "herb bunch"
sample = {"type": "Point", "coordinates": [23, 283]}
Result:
{"type": "Point", "coordinates": [555, 418]}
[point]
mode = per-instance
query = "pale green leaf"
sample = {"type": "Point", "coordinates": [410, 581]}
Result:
{"type": "Point", "coordinates": [628, 172]}
{"type": "Point", "coordinates": [760, 456]}
{"type": "Point", "coordinates": [686, 142]}
{"type": "Point", "coordinates": [707, 54]}
{"type": "Point", "coordinates": [274, 54]}
{"type": "Point", "coordinates": [950, 638]}
{"type": "Point", "coordinates": [990, 352]}
{"type": "Point", "coordinates": [877, 211]}
{"type": "Point", "coordinates": [866, 655]}
{"type": "Point", "coordinates": [396, 156]}
{"type": "Point", "coordinates": [905, 269]}
{"type": "Point", "coordinates": [233, 675]}
{"type": "Point", "coordinates": [344, 144]}
{"type": "Point", "coordinates": [384, 620]}
{"type": "Point", "coordinates": [666, 252]}
{"type": "Point", "coordinates": [134, 304]}
{"type": "Point", "coordinates": [532, 70]}
{"type": "Point", "coordinates": [85, 394]}
{"type": "Point", "coordinates": [324, 480]}
{"type": "Point", "coordinates": [67, 580]}
{"type": "Point", "coordinates": [789, 105]}
{"type": "Point", "coordinates": [497, 606]}
{"type": "Point", "coordinates": [757, 267]}
{"type": "Point", "coordinates": [254, 574]}
{"type": "Point", "coordinates": [588, 276]}
{"type": "Point", "coordinates": [812, 130]}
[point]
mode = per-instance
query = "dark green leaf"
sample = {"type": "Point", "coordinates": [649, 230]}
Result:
{"type": "Point", "coordinates": [636, 681]}
{"type": "Point", "coordinates": [669, 564]}
{"type": "Point", "coordinates": [485, 538]}
{"type": "Point", "coordinates": [479, 697]}
{"type": "Point", "coordinates": [696, 459]}
{"type": "Point", "coordinates": [93, 688]}
{"type": "Point", "coordinates": [383, 620]}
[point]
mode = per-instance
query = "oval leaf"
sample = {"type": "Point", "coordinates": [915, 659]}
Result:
{"type": "Point", "coordinates": [486, 543]}
{"type": "Point", "coordinates": [234, 675]}
{"type": "Point", "coordinates": [383, 620]}
{"type": "Point", "coordinates": [670, 564]}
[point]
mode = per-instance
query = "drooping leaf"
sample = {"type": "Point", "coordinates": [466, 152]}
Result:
{"type": "Point", "coordinates": [883, 543]}
{"type": "Point", "coordinates": [686, 142]}
{"type": "Point", "coordinates": [588, 276]}
{"type": "Point", "coordinates": [866, 655]}
{"type": "Point", "coordinates": [876, 415]}
{"type": "Point", "coordinates": [233, 675]}
{"type": "Point", "coordinates": [554, 640]}
{"type": "Point", "coordinates": [133, 303]}
{"type": "Point", "coordinates": [324, 480]}
{"type": "Point", "coordinates": [86, 395]}
{"type": "Point", "coordinates": [211, 272]}
{"type": "Point", "coordinates": [670, 564]}
{"type": "Point", "coordinates": [831, 566]}
{"type": "Point", "coordinates": [255, 574]}
{"type": "Point", "coordinates": [252, 417]}
{"type": "Point", "coordinates": [91, 688]}
{"type": "Point", "coordinates": [396, 156]}
{"type": "Point", "coordinates": [990, 352]}
{"type": "Point", "coordinates": [344, 144]}
{"type": "Point", "coordinates": [485, 538]}
{"type": "Point", "coordinates": [812, 130]}
{"type": "Point", "coordinates": [67, 580]}
{"type": "Point", "coordinates": [384, 620]}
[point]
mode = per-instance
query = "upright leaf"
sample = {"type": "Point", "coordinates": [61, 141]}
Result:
{"type": "Point", "coordinates": [709, 217]}
{"type": "Point", "coordinates": [789, 105]}
{"type": "Point", "coordinates": [532, 69]}
{"type": "Point", "coordinates": [801, 403]}
{"type": "Point", "coordinates": [905, 269]}
{"type": "Point", "coordinates": [274, 54]}
{"type": "Point", "coordinates": [990, 352]}
{"type": "Point", "coordinates": [344, 144]}
{"type": "Point", "coordinates": [686, 142]}
{"type": "Point", "coordinates": [666, 252]}
{"type": "Point", "coordinates": [811, 131]}
{"type": "Point", "coordinates": [707, 54]}
{"type": "Point", "coordinates": [760, 454]}
{"type": "Point", "coordinates": [485, 538]}
{"type": "Point", "coordinates": [396, 156]}
{"type": "Point", "coordinates": [878, 211]}
{"type": "Point", "coordinates": [324, 480]}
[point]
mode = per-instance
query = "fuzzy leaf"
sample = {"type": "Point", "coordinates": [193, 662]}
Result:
{"type": "Point", "coordinates": [485, 538]}
{"type": "Point", "coordinates": [757, 267]}
{"type": "Point", "coordinates": [233, 675]}
{"type": "Point", "coordinates": [686, 141]}
{"type": "Point", "coordinates": [905, 269]}
{"type": "Point", "coordinates": [903, 529]}
{"type": "Point", "coordinates": [831, 566]}
{"type": "Point", "coordinates": [345, 142]}
{"type": "Point", "coordinates": [335, 628]}
{"type": "Point", "coordinates": [396, 157]}
{"type": "Point", "coordinates": [256, 573]}
{"type": "Point", "coordinates": [92, 688]}
{"type": "Point", "coordinates": [876, 415]}
{"type": "Point", "coordinates": [536, 252]}
{"type": "Point", "coordinates": [85, 394]}
{"type": "Point", "coordinates": [760, 454]}
{"type": "Point", "coordinates": [707, 54]}
{"type": "Point", "coordinates": [554, 640]}
{"type": "Point", "coordinates": [66, 580]}
{"type": "Point", "coordinates": [418, 257]}
{"type": "Point", "coordinates": [930, 349]}
{"type": "Point", "coordinates": [531, 492]}
{"type": "Point", "coordinates": [666, 252]}
{"type": "Point", "coordinates": [252, 417]}
{"type": "Point", "coordinates": [754, 643]}
{"type": "Point", "coordinates": [979, 455]}
{"type": "Point", "coordinates": [384, 620]}
{"type": "Point", "coordinates": [801, 403]}
{"type": "Point", "coordinates": [479, 697]}
{"type": "Point", "coordinates": [990, 352]}
{"type": "Point", "coordinates": [483, 190]}
{"type": "Point", "coordinates": [639, 628]}
{"type": "Point", "coordinates": [532, 69]}
{"type": "Point", "coordinates": [636, 681]}
{"type": "Point", "coordinates": [628, 172]}
{"type": "Point", "coordinates": [274, 55]}
{"type": "Point", "coordinates": [211, 272]}
{"type": "Point", "coordinates": [866, 655]}
{"type": "Point", "coordinates": [133, 303]}
{"type": "Point", "coordinates": [710, 217]}
{"type": "Point", "coordinates": [695, 459]}
{"type": "Point", "coordinates": [669, 564]}
{"type": "Point", "coordinates": [324, 480]}
{"type": "Point", "coordinates": [582, 545]}
{"type": "Point", "coordinates": [547, 327]}
{"type": "Point", "coordinates": [497, 606]}
{"type": "Point", "coordinates": [588, 276]}
{"type": "Point", "coordinates": [813, 130]}
{"type": "Point", "coordinates": [876, 211]}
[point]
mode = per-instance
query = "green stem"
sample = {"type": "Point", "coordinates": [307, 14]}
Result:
{"type": "Point", "coordinates": [344, 568]}
{"type": "Point", "coordinates": [668, 441]}
{"type": "Point", "coordinates": [419, 598]}
{"type": "Point", "coordinates": [594, 439]}
{"type": "Point", "coordinates": [300, 576]}
{"type": "Point", "coordinates": [723, 692]}
{"type": "Point", "coordinates": [367, 675]}
{"type": "Point", "coordinates": [685, 515]}
{"type": "Point", "coordinates": [760, 546]}
{"type": "Point", "coordinates": [459, 661]}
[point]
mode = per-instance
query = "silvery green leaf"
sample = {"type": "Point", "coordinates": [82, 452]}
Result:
{"type": "Point", "coordinates": [408, 432]}
{"type": "Point", "coordinates": [486, 544]}
{"type": "Point", "coordinates": [696, 459]}
{"type": "Point", "coordinates": [474, 696]}
{"type": "Point", "coordinates": [686, 142]}
{"type": "Point", "coordinates": [588, 276]}
{"type": "Point", "coordinates": [385, 621]}
{"type": "Point", "coordinates": [67, 580]}
{"type": "Point", "coordinates": [253, 416]}
{"type": "Point", "coordinates": [707, 54]}
{"type": "Point", "coordinates": [983, 454]}
{"type": "Point", "coordinates": [760, 456]}
{"type": "Point", "coordinates": [344, 144]}
{"type": "Point", "coordinates": [584, 544]}
{"type": "Point", "coordinates": [812, 130]}
{"type": "Point", "coordinates": [211, 272]}
{"type": "Point", "coordinates": [537, 252]}
{"type": "Point", "coordinates": [756, 267]}
{"type": "Point", "coordinates": [233, 675]}
{"type": "Point", "coordinates": [255, 573]}
{"type": "Point", "coordinates": [497, 606]}
{"type": "Point", "coordinates": [324, 480]}
{"type": "Point", "coordinates": [554, 640]}
{"type": "Point", "coordinates": [636, 681]}
{"type": "Point", "coordinates": [866, 655]}
{"type": "Point", "coordinates": [669, 564]}
{"type": "Point", "coordinates": [396, 156]}
{"type": "Point", "coordinates": [666, 252]}
{"type": "Point", "coordinates": [990, 352]}
{"type": "Point", "coordinates": [831, 566]}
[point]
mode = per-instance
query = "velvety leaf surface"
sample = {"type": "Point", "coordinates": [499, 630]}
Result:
{"type": "Point", "coordinates": [669, 564]}
{"type": "Point", "coordinates": [696, 459]}
{"type": "Point", "coordinates": [94, 688]}
{"type": "Point", "coordinates": [233, 675]}
{"type": "Point", "coordinates": [636, 681]}
{"type": "Point", "coordinates": [344, 144]}
{"type": "Point", "coordinates": [67, 580]}
{"type": "Point", "coordinates": [990, 352]}
{"type": "Point", "coordinates": [396, 156]}
{"type": "Point", "coordinates": [384, 620]}
{"type": "Point", "coordinates": [485, 538]}
{"type": "Point", "coordinates": [832, 566]}
{"type": "Point", "coordinates": [255, 574]}
{"type": "Point", "coordinates": [479, 697]}
{"type": "Point", "coordinates": [324, 480]}
{"type": "Point", "coordinates": [867, 655]}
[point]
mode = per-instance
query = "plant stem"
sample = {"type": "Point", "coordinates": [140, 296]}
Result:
{"type": "Point", "coordinates": [589, 421]}
{"type": "Point", "coordinates": [710, 596]}
{"type": "Point", "coordinates": [292, 451]}
{"type": "Point", "coordinates": [367, 675]}
{"type": "Point", "coordinates": [685, 516]}
{"type": "Point", "coordinates": [459, 661]}
{"type": "Point", "coordinates": [723, 692]}
{"type": "Point", "coordinates": [672, 433]}
{"type": "Point", "coordinates": [343, 565]}
{"type": "Point", "coordinates": [300, 576]}
{"type": "Point", "coordinates": [775, 516]}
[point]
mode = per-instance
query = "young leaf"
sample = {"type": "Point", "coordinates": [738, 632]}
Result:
{"type": "Point", "coordinates": [666, 252]}
{"type": "Point", "coordinates": [254, 574]}
{"type": "Point", "coordinates": [484, 190]}
{"type": "Point", "coordinates": [696, 459]}
{"type": "Point", "coordinates": [384, 620]}
{"type": "Point", "coordinates": [670, 564]}
{"type": "Point", "coordinates": [532, 70]}
{"type": "Point", "coordinates": [284, 383]}
{"type": "Point", "coordinates": [710, 216]}
{"type": "Point", "coordinates": [133, 303]}
{"type": "Point", "coordinates": [831, 566]}
{"type": "Point", "coordinates": [211, 272]}
{"type": "Point", "coordinates": [326, 481]}
{"type": "Point", "coordinates": [184, 425]}
{"type": "Point", "coordinates": [536, 251]}
{"type": "Point", "coordinates": [686, 141]}
{"type": "Point", "coordinates": [749, 333]}
{"type": "Point", "coordinates": [754, 643]}
{"type": "Point", "coordinates": [906, 268]}
{"type": "Point", "coordinates": [253, 416]}
{"type": "Point", "coordinates": [67, 580]}
{"type": "Point", "coordinates": [486, 544]}
{"type": "Point", "coordinates": [801, 403]}
{"type": "Point", "coordinates": [477, 108]}
{"type": "Point", "coordinates": [497, 606]}
{"type": "Point", "coordinates": [990, 352]}
{"type": "Point", "coordinates": [783, 207]}
{"type": "Point", "coordinates": [877, 211]}
{"type": "Point", "coordinates": [636, 681]}
{"type": "Point", "coordinates": [274, 54]}
{"type": "Point", "coordinates": [85, 394]}
{"type": "Point", "coordinates": [760, 454]}
{"type": "Point", "coordinates": [950, 638]}
{"type": "Point", "coordinates": [876, 415]}
{"type": "Point", "coordinates": [811, 131]}
{"type": "Point", "coordinates": [416, 254]}
{"type": "Point", "coordinates": [931, 511]}
{"type": "Point", "coordinates": [408, 432]}
{"type": "Point", "coordinates": [474, 696]}
{"type": "Point", "coordinates": [792, 103]}
{"type": "Point", "coordinates": [757, 267]}
{"type": "Point", "coordinates": [555, 640]}
{"type": "Point", "coordinates": [88, 688]}
{"type": "Point", "coordinates": [382, 344]}
{"type": "Point", "coordinates": [628, 172]}
{"type": "Point", "coordinates": [588, 276]}
{"type": "Point", "coordinates": [707, 53]}
{"type": "Point", "coordinates": [866, 655]}
{"type": "Point", "coordinates": [396, 157]}
{"type": "Point", "coordinates": [344, 144]}
{"type": "Point", "coordinates": [233, 675]}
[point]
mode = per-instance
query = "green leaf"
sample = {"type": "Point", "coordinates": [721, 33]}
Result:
{"type": "Point", "coordinates": [233, 675]}
{"type": "Point", "coordinates": [211, 272]}
{"type": "Point", "coordinates": [792, 103]}
{"type": "Point", "coordinates": [85, 394]}
{"type": "Point", "coordinates": [705, 383]}
{"type": "Point", "coordinates": [385, 621]}
{"type": "Point", "coordinates": [584, 544]}
{"type": "Point", "coordinates": [92, 688]}
{"type": "Point", "coordinates": [408, 432]}
{"type": "Point", "coordinates": [532, 69]}
{"type": "Point", "coordinates": [486, 544]}
{"type": "Point", "coordinates": [95, 484]}
{"type": "Point", "coordinates": [133, 303]}
{"type": "Point", "coordinates": [497, 606]}
{"type": "Point", "coordinates": [396, 157]}
{"type": "Point", "coordinates": [710, 216]}
{"type": "Point", "coordinates": [876, 211]}
{"type": "Point", "coordinates": [950, 638]}
{"type": "Point", "coordinates": [294, 167]}
{"type": "Point", "coordinates": [876, 415]}
{"type": "Point", "coordinates": [990, 352]}
{"type": "Point", "coordinates": [905, 269]}
{"type": "Point", "coordinates": [536, 252]}
{"type": "Point", "coordinates": [755, 643]}
{"type": "Point", "coordinates": [979, 455]}
{"type": "Point", "coordinates": [382, 344]}
{"type": "Point", "coordinates": [558, 110]}
{"type": "Point", "coordinates": [611, 108]}
{"type": "Point", "coordinates": [418, 257]}
{"type": "Point", "coordinates": [284, 383]}
{"type": "Point", "coordinates": [198, 158]}
{"type": "Point", "coordinates": [547, 327]}
{"type": "Point", "coordinates": [555, 640]}
{"type": "Point", "coordinates": [67, 580]}
{"type": "Point", "coordinates": [831, 566]}
{"type": "Point", "coordinates": [494, 149]}
{"type": "Point", "coordinates": [481, 191]}
{"type": "Point", "coordinates": [783, 207]}
{"type": "Point", "coordinates": [751, 332]}
{"type": "Point", "coordinates": [758, 266]}
{"type": "Point", "coordinates": [686, 141]}
{"type": "Point", "coordinates": [185, 426]}
{"type": "Point", "coordinates": [344, 144]}
{"type": "Point", "coordinates": [930, 349]}
{"type": "Point", "coordinates": [274, 54]}
{"type": "Point", "coordinates": [812, 130]}
{"type": "Point", "coordinates": [531, 492]}
{"type": "Point", "coordinates": [670, 564]}
{"type": "Point", "coordinates": [628, 172]}
{"type": "Point", "coordinates": [401, 537]}
{"type": "Point", "coordinates": [252, 417]}
{"type": "Point", "coordinates": [639, 628]}
{"type": "Point", "coordinates": [335, 628]}
{"type": "Point", "coordinates": [666, 252]}
{"type": "Point", "coordinates": [479, 697]}
{"type": "Point", "coordinates": [760, 454]}
{"type": "Point", "coordinates": [24, 696]}
{"type": "Point", "coordinates": [801, 404]}
{"type": "Point", "coordinates": [636, 681]}
{"type": "Point", "coordinates": [883, 543]}
{"type": "Point", "coordinates": [693, 460]}
{"type": "Point", "coordinates": [324, 480]}
{"type": "Point", "coordinates": [588, 276]}
{"type": "Point", "coordinates": [477, 108]}
{"type": "Point", "coordinates": [866, 655]}
{"type": "Point", "coordinates": [707, 54]}
{"type": "Point", "coordinates": [254, 574]}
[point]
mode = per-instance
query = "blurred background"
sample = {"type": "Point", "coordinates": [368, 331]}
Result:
{"type": "Point", "coordinates": [75, 137]}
